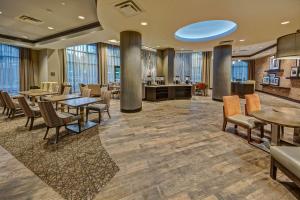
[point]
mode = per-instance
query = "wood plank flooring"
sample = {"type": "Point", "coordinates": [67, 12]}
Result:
{"type": "Point", "coordinates": [174, 150]}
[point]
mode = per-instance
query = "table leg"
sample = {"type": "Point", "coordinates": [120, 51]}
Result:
{"type": "Point", "coordinates": [275, 135]}
{"type": "Point", "coordinates": [296, 137]}
{"type": "Point", "coordinates": [62, 108]}
{"type": "Point", "coordinates": [33, 99]}
{"type": "Point", "coordinates": [82, 115]}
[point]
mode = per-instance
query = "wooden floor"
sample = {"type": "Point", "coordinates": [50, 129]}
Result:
{"type": "Point", "coordinates": [175, 150]}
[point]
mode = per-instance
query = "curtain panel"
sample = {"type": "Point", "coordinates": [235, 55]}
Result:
{"type": "Point", "coordinates": [206, 66]}
{"type": "Point", "coordinates": [28, 68]}
{"type": "Point", "coordinates": [9, 68]}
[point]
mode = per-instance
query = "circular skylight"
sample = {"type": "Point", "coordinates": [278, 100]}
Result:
{"type": "Point", "coordinates": [205, 30]}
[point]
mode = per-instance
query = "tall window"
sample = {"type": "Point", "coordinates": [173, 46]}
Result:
{"type": "Point", "coordinates": [188, 64]}
{"type": "Point", "coordinates": [82, 65]}
{"type": "Point", "coordinates": [113, 63]}
{"type": "Point", "coordinates": [9, 68]}
{"type": "Point", "coordinates": [239, 71]}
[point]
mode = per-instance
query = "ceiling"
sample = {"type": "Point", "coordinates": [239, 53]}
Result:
{"type": "Point", "coordinates": [62, 15]}
{"type": "Point", "coordinates": [259, 21]}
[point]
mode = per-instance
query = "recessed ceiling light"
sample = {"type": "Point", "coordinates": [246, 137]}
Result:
{"type": "Point", "coordinates": [242, 40]}
{"type": "Point", "coordinates": [63, 3]}
{"type": "Point", "coordinates": [24, 36]}
{"type": "Point", "coordinates": [113, 41]}
{"type": "Point", "coordinates": [285, 22]}
{"type": "Point", "coordinates": [0, 12]}
{"type": "Point", "coordinates": [157, 46]}
{"type": "Point", "coordinates": [81, 17]}
{"type": "Point", "coordinates": [144, 23]}
{"type": "Point", "coordinates": [50, 28]}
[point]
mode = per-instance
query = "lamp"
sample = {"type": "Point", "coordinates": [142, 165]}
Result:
{"type": "Point", "coordinates": [288, 46]}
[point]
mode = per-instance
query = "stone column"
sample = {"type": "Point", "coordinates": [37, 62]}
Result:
{"type": "Point", "coordinates": [131, 72]}
{"type": "Point", "coordinates": [222, 72]}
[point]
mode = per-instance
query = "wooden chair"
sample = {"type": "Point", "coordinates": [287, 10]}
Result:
{"type": "Point", "coordinates": [54, 119]}
{"type": "Point", "coordinates": [253, 104]}
{"type": "Point", "coordinates": [2, 103]}
{"type": "Point", "coordinates": [232, 113]}
{"type": "Point", "coordinates": [12, 106]}
{"type": "Point", "coordinates": [30, 112]}
{"type": "Point", "coordinates": [100, 107]}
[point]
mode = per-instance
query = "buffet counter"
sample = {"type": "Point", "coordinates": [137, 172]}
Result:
{"type": "Point", "coordinates": [167, 92]}
{"type": "Point", "coordinates": [242, 88]}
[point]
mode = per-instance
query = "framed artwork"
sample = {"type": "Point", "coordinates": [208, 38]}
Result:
{"type": "Point", "coordinates": [294, 71]}
{"type": "Point", "coordinates": [274, 63]}
{"type": "Point", "coordinates": [275, 81]}
{"type": "Point", "coordinates": [266, 80]}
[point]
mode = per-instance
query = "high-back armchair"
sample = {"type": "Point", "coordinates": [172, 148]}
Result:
{"type": "Point", "coordinates": [252, 103]}
{"type": "Point", "coordinates": [11, 105]}
{"type": "Point", "coordinates": [54, 119]}
{"type": "Point", "coordinates": [30, 112]}
{"type": "Point", "coordinates": [2, 103]}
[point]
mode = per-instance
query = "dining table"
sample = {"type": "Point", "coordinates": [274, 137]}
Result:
{"type": "Point", "coordinates": [56, 98]}
{"type": "Point", "coordinates": [34, 93]}
{"type": "Point", "coordinates": [80, 103]}
{"type": "Point", "coordinates": [281, 117]}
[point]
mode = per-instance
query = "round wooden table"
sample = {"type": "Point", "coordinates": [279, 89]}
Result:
{"type": "Point", "coordinates": [277, 117]}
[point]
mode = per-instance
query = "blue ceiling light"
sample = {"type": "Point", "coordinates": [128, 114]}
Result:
{"type": "Point", "coordinates": [205, 31]}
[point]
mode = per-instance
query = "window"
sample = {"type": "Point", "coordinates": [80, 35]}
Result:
{"type": "Point", "coordinates": [117, 74]}
{"type": "Point", "coordinates": [239, 71]}
{"type": "Point", "coordinates": [113, 62]}
{"type": "Point", "coordinates": [188, 64]}
{"type": "Point", "coordinates": [9, 68]}
{"type": "Point", "coordinates": [82, 65]}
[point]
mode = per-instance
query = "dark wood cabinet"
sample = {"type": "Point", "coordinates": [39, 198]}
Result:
{"type": "Point", "coordinates": [168, 92]}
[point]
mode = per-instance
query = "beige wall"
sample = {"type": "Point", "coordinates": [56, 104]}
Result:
{"type": "Point", "coordinates": [262, 64]}
{"type": "Point", "coordinates": [50, 61]}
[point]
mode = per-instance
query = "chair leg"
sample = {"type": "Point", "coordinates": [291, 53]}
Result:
{"type": "Point", "coordinates": [249, 135]}
{"type": "Point", "coordinates": [262, 131]}
{"type": "Point", "coordinates": [8, 111]}
{"type": "Point", "coordinates": [46, 132]}
{"type": "Point", "coordinates": [273, 169]}
{"type": "Point", "coordinates": [27, 121]}
{"type": "Point", "coordinates": [31, 123]}
{"type": "Point", "coordinates": [3, 110]}
{"type": "Point", "coordinates": [224, 124]}
{"type": "Point", "coordinates": [99, 117]}
{"type": "Point", "coordinates": [79, 125]}
{"type": "Point", "coordinates": [13, 113]}
{"type": "Point", "coordinates": [57, 134]}
{"type": "Point", "coordinates": [68, 109]}
{"type": "Point", "coordinates": [108, 113]}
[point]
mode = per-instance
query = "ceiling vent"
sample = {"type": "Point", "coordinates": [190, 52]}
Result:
{"type": "Point", "coordinates": [30, 20]}
{"type": "Point", "coordinates": [226, 42]}
{"type": "Point", "coordinates": [128, 8]}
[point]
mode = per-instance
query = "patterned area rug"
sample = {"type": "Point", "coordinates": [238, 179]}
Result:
{"type": "Point", "coordinates": [77, 167]}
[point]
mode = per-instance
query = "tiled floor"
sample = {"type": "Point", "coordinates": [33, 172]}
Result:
{"type": "Point", "coordinates": [171, 150]}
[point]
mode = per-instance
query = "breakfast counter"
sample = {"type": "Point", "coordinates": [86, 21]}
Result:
{"type": "Point", "coordinates": [167, 92]}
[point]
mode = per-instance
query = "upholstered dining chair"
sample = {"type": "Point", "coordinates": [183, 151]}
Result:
{"type": "Point", "coordinates": [55, 119]}
{"type": "Point", "coordinates": [2, 103]}
{"type": "Point", "coordinates": [100, 107]}
{"type": "Point", "coordinates": [232, 113]}
{"type": "Point", "coordinates": [86, 92]}
{"type": "Point", "coordinates": [31, 112]}
{"type": "Point", "coordinates": [67, 90]}
{"type": "Point", "coordinates": [12, 106]}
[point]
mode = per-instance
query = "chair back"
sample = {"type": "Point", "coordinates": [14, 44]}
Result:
{"type": "Point", "coordinates": [25, 107]}
{"type": "Point", "coordinates": [103, 90]}
{"type": "Point", "coordinates": [67, 90]}
{"type": "Point", "coordinates": [49, 114]}
{"type": "Point", "coordinates": [86, 93]}
{"type": "Point", "coordinates": [232, 105]}
{"type": "Point", "coordinates": [8, 101]}
{"type": "Point", "coordinates": [107, 98]}
{"type": "Point", "coordinates": [252, 103]}
{"type": "Point", "coordinates": [2, 102]}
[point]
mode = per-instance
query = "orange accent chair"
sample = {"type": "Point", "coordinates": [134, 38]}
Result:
{"type": "Point", "coordinates": [233, 114]}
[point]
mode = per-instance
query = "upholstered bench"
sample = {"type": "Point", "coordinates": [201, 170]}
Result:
{"type": "Point", "coordinates": [287, 159]}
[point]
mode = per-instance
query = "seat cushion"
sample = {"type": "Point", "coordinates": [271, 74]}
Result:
{"type": "Point", "coordinates": [247, 121]}
{"type": "Point", "coordinates": [98, 107]}
{"type": "Point", "coordinates": [67, 117]}
{"type": "Point", "coordinates": [287, 156]}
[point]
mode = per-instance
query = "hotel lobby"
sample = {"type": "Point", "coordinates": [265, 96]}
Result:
{"type": "Point", "coordinates": [149, 99]}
